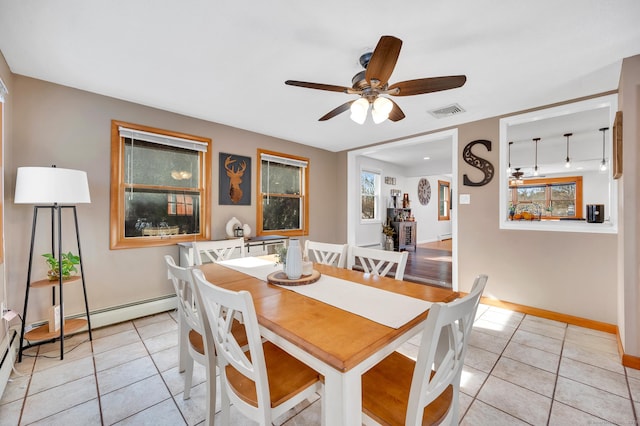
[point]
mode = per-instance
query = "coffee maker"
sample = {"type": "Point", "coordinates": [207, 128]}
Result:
{"type": "Point", "coordinates": [595, 213]}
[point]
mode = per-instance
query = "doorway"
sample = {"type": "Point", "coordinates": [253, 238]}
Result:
{"type": "Point", "coordinates": [404, 161]}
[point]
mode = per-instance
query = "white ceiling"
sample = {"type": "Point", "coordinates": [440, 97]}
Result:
{"type": "Point", "coordinates": [226, 61]}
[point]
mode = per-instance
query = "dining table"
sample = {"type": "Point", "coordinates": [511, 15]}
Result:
{"type": "Point", "coordinates": [340, 342]}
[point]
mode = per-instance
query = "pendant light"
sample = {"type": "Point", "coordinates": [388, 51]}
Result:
{"type": "Point", "coordinates": [603, 163]}
{"type": "Point", "coordinates": [567, 164]}
{"type": "Point", "coordinates": [535, 167]}
{"type": "Point", "coordinates": [509, 167]}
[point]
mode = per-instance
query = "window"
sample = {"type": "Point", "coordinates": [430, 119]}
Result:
{"type": "Point", "coordinates": [283, 202]}
{"type": "Point", "coordinates": [369, 195]}
{"type": "Point", "coordinates": [551, 198]}
{"type": "Point", "coordinates": [160, 184]}
{"type": "Point", "coordinates": [443, 200]}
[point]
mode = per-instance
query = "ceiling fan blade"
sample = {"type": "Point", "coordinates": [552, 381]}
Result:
{"type": "Point", "coordinates": [396, 113]}
{"type": "Point", "coordinates": [339, 110]}
{"type": "Point", "coordinates": [318, 86]}
{"type": "Point", "coordinates": [383, 60]}
{"type": "Point", "coordinates": [427, 85]}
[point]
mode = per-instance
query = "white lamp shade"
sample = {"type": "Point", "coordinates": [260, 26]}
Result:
{"type": "Point", "coordinates": [49, 185]}
{"type": "Point", "coordinates": [359, 110]}
{"type": "Point", "coordinates": [383, 105]}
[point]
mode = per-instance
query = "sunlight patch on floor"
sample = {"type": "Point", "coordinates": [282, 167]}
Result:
{"type": "Point", "coordinates": [439, 258]}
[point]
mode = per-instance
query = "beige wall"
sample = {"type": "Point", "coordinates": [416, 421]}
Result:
{"type": "Point", "coordinates": [71, 128]}
{"type": "Point", "coordinates": [7, 79]}
{"type": "Point", "coordinates": [629, 197]}
{"type": "Point", "coordinates": [571, 273]}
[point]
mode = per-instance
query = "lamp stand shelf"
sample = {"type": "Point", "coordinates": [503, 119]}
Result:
{"type": "Point", "coordinates": [42, 334]}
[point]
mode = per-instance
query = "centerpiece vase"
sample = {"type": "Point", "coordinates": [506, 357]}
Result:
{"type": "Point", "coordinates": [293, 267]}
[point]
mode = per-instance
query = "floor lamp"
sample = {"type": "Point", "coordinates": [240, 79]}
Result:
{"type": "Point", "coordinates": [54, 189]}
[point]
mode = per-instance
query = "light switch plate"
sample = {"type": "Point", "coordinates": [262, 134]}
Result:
{"type": "Point", "coordinates": [465, 198]}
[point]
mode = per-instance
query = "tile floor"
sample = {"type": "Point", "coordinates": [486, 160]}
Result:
{"type": "Point", "coordinates": [519, 369]}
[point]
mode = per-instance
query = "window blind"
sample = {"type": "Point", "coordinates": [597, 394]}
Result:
{"type": "Point", "coordinates": [163, 139]}
{"type": "Point", "coordinates": [283, 160]}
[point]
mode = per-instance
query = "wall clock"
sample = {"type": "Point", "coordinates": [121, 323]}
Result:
{"type": "Point", "coordinates": [424, 191]}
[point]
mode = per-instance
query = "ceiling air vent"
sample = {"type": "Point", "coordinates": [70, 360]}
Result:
{"type": "Point", "coordinates": [447, 111]}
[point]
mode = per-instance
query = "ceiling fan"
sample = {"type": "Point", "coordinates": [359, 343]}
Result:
{"type": "Point", "coordinates": [374, 81]}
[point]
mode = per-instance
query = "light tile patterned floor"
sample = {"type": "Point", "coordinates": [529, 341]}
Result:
{"type": "Point", "coordinates": [519, 369]}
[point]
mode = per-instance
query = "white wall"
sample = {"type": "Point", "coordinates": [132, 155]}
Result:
{"type": "Point", "coordinates": [428, 227]}
{"type": "Point", "coordinates": [368, 234]}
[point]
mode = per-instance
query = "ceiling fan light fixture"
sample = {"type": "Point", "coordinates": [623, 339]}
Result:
{"type": "Point", "coordinates": [378, 117]}
{"type": "Point", "coordinates": [383, 105]}
{"type": "Point", "coordinates": [359, 110]}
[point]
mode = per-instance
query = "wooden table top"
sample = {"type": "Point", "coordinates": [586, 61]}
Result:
{"type": "Point", "coordinates": [337, 337]}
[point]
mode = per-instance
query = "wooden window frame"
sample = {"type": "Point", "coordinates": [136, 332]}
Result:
{"type": "Point", "coordinates": [447, 207]}
{"type": "Point", "coordinates": [305, 197]}
{"type": "Point", "coordinates": [548, 182]}
{"type": "Point", "coordinates": [117, 210]}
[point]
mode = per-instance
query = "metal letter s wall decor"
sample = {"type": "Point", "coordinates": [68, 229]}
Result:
{"type": "Point", "coordinates": [478, 162]}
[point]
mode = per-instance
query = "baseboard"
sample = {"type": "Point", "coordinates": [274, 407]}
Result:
{"type": "Point", "coordinates": [372, 245]}
{"type": "Point", "coordinates": [556, 316]}
{"type": "Point", "coordinates": [8, 356]}
{"type": "Point", "coordinates": [630, 361]}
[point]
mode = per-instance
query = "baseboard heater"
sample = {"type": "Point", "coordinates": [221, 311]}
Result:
{"type": "Point", "coordinates": [99, 318]}
{"type": "Point", "coordinates": [126, 312]}
{"type": "Point", "coordinates": [443, 237]}
{"type": "Point", "coordinates": [10, 345]}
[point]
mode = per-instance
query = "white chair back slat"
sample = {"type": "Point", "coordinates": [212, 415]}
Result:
{"type": "Point", "coordinates": [326, 253]}
{"type": "Point", "coordinates": [221, 306]}
{"type": "Point", "coordinates": [377, 262]}
{"type": "Point", "coordinates": [444, 343]}
{"type": "Point", "coordinates": [215, 251]}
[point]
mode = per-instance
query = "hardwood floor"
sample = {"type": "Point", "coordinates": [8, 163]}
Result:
{"type": "Point", "coordinates": [430, 264]}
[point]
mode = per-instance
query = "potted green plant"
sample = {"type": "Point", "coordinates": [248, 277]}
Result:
{"type": "Point", "coordinates": [281, 252]}
{"type": "Point", "coordinates": [69, 262]}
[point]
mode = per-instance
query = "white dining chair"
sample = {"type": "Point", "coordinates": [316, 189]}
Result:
{"type": "Point", "coordinates": [215, 251]}
{"type": "Point", "coordinates": [399, 391]}
{"type": "Point", "coordinates": [326, 253]}
{"type": "Point", "coordinates": [190, 329]}
{"type": "Point", "coordinates": [377, 262]}
{"type": "Point", "coordinates": [263, 382]}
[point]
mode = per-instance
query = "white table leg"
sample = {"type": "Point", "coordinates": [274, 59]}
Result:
{"type": "Point", "coordinates": [342, 399]}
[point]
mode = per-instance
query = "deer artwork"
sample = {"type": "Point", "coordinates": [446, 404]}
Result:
{"type": "Point", "coordinates": [235, 179]}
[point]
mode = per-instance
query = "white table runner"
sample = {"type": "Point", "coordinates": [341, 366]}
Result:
{"type": "Point", "coordinates": [382, 306]}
